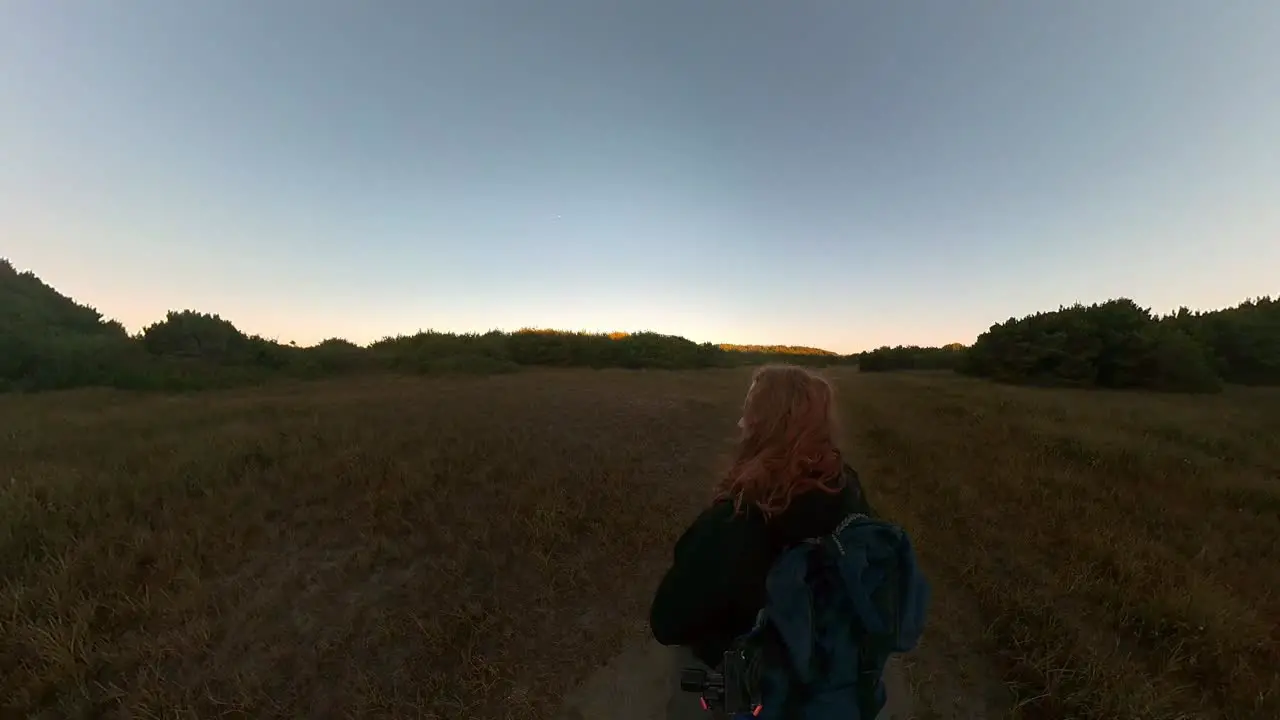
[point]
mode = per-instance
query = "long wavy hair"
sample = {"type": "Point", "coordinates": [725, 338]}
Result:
{"type": "Point", "coordinates": [788, 445]}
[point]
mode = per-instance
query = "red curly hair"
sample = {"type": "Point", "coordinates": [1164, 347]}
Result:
{"type": "Point", "coordinates": [788, 442]}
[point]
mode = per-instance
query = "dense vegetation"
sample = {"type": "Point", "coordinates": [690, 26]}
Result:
{"type": "Point", "coordinates": [1118, 344]}
{"type": "Point", "coordinates": [912, 357]}
{"type": "Point", "coordinates": [1115, 344]}
{"type": "Point", "coordinates": [48, 341]}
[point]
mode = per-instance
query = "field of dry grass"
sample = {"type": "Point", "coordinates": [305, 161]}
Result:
{"type": "Point", "coordinates": [1123, 549]}
{"type": "Point", "coordinates": [473, 547]}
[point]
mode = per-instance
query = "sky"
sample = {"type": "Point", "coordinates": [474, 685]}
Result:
{"type": "Point", "coordinates": [830, 173]}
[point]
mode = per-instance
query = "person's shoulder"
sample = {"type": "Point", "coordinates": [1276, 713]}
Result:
{"type": "Point", "coordinates": [854, 495]}
{"type": "Point", "coordinates": [719, 519]}
{"type": "Point", "coordinates": [726, 513]}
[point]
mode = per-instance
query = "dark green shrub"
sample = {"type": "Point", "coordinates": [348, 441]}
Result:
{"type": "Point", "coordinates": [1115, 344]}
{"type": "Point", "coordinates": [911, 357]}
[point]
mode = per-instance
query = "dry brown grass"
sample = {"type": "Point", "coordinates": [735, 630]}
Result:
{"type": "Point", "coordinates": [471, 547]}
{"type": "Point", "coordinates": [1123, 548]}
{"type": "Point", "coordinates": [459, 547]}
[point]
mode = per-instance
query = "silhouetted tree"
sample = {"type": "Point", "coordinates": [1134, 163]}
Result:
{"type": "Point", "coordinates": [1115, 344]}
{"type": "Point", "coordinates": [49, 341]}
{"type": "Point", "coordinates": [912, 357]}
{"type": "Point", "coordinates": [1243, 342]}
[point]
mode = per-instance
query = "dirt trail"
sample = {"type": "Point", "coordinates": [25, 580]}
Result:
{"type": "Point", "coordinates": [950, 676]}
{"type": "Point", "coordinates": [946, 678]}
{"type": "Point", "coordinates": [642, 684]}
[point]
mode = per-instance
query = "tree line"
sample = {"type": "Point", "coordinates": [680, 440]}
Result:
{"type": "Point", "coordinates": [1114, 344]}
{"type": "Point", "coordinates": [48, 341]}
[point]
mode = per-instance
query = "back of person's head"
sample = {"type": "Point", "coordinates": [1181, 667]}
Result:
{"type": "Point", "coordinates": [788, 445]}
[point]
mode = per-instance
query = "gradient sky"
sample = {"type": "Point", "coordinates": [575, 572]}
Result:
{"type": "Point", "coordinates": [841, 174]}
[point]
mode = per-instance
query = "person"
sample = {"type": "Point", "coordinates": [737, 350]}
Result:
{"type": "Point", "coordinates": [788, 482]}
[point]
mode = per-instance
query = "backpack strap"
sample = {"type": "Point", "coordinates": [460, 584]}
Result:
{"type": "Point", "coordinates": [871, 646]}
{"type": "Point", "coordinates": [831, 542]}
{"type": "Point", "coordinates": [873, 650]}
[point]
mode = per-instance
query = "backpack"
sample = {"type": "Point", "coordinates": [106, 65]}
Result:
{"type": "Point", "coordinates": [836, 607]}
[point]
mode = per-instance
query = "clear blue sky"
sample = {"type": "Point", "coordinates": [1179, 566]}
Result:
{"type": "Point", "coordinates": [841, 174]}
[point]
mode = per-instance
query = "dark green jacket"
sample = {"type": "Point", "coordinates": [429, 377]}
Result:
{"type": "Point", "coordinates": [715, 586]}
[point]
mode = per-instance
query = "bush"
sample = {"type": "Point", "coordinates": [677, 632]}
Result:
{"type": "Point", "coordinates": [1173, 361]}
{"type": "Point", "coordinates": [66, 361]}
{"type": "Point", "coordinates": [911, 357]}
{"type": "Point", "coordinates": [1243, 342]}
{"type": "Point", "coordinates": [191, 334]}
{"type": "Point", "coordinates": [1115, 344]}
{"type": "Point", "coordinates": [793, 354]}
{"type": "Point", "coordinates": [330, 357]}
{"type": "Point", "coordinates": [425, 351]}
{"type": "Point", "coordinates": [48, 341]}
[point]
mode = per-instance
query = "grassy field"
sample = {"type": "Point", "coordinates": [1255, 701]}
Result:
{"type": "Point", "coordinates": [472, 547]}
{"type": "Point", "coordinates": [1122, 549]}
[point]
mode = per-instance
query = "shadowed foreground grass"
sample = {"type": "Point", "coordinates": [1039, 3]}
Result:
{"type": "Point", "coordinates": [456, 548]}
{"type": "Point", "coordinates": [1124, 548]}
{"type": "Point", "coordinates": [472, 547]}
